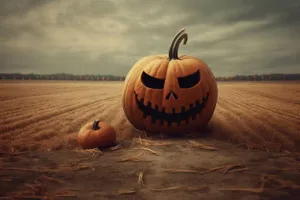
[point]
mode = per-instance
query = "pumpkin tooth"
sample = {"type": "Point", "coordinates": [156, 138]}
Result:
{"type": "Point", "coordinates": [153, 120]}
{"type": "Point", "coordinates": [156, 108]}
{"type": "Point", "coordinates": [206, 97]}
{"type": "Point", "coordinates": [182, 109]}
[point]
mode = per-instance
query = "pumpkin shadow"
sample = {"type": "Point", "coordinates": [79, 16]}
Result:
{"type": "Point", "coordinates": [107, 147]}
{"type": "Point", "coordinates": [206, 132]}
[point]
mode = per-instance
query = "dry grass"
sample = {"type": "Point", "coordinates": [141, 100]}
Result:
{"type": "Point", "coordinates": [40, 189]}
{"type": "Point", "coordinates": [94, 152]}
{"type": "Point", "coordinates": [147, 142]}
{"type": "Point", "coordinates": [37, 115]}
{"type": "Point", "coordinates": [267, 183]}
{"type": "Point", "coordinates": [141, 178]}
{"type": "Point", "coordinates": [273, 181]}
{"type": "Point", "coordinates": [165, 189]}
{"type": "Point", "coordinates": [117, 147]}
{"type": "Point", "coordinates": [6, 178]}
{"type": "Point", "coordinates": [189, 188]}
{"type": "Point", "coordinates": [149, 150]}
{"type": "Point", "coordinates": [126, 191]}
{"type": "Point", "coordinates": [181, 171]}
{"type": "Point", "coordinates": [136, 158]}
{"type": "Point", "coordinates": [48, 170]}
{"type": "Point", "coordinates": [222, 169]}
{"type": "Point", "coordinates": [202, 146]}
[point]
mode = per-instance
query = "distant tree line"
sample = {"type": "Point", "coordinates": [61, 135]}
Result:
{"type": "Point", "coordinates": [63, 76]}
{"type": "Point", "coordinates": [263, 77]}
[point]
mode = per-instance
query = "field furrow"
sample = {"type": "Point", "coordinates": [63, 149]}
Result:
{"type": "Point", "coordinates": [38, 110]}
{"type": "Point", "coordinates": [48, 115]}
{"type": "Point", "coordinates": [36, 123]}
{"type": "Point", "coordinates": [30, 103]}
{"type": "Point", "coordinates": [68, 127]}
{"type": "Point", "coordinates": [265, 126]}
{"type": "Point", "coordinates": [275, 97]}
{"type": "Point", "coordinates": [242, 123]}
{"type": "Point", "coordinates": [262, 113]}
{"type": "Point", "coordinates": [70, 122]}
{"type": "Point", "coordinates": [266, 105]}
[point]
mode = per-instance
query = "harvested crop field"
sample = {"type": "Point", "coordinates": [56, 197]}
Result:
{"type": "Point", "coordinates": [47, 115]}
{"type": "Point", "coordinates": [255, 129]}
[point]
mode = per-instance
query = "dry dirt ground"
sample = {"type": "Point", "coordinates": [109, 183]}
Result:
{"type": "Point", "coordinates": [249, 150]}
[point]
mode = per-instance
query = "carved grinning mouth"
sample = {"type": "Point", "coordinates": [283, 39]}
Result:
{"type": "Point", "coordinates": [162, 116]}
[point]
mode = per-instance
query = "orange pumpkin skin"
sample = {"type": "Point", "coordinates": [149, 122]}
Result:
{"type": "Point", "coordinates": [170, 94]}
{"type": "Point", "coordinates": [96, 134]}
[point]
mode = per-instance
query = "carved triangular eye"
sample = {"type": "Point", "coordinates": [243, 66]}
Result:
{"type": "Point", "coordinates": [190, 80]}
{"type": "Point", "coordinates": [152, 82]}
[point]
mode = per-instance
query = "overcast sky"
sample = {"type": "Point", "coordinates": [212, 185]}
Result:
{"type": "Point", "coordinates": [109, 36]}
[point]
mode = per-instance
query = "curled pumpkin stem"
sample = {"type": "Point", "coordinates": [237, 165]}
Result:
{"type": "Point", "coordinates": [95, 125]}
{"type": "Point", "coordinates": [184, 37]}
{"type": "Point", "coordinates": [173, 51]}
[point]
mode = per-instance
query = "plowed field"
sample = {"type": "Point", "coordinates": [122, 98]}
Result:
{"type": "Point", "coordinates": [255, 128]}
{"type": "Point", "coordinates": [47, 115]}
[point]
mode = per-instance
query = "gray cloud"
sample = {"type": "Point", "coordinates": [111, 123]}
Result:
{"type": "Point", "coordinates": [108, 36]}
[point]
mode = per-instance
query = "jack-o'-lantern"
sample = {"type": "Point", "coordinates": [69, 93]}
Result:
{"type": "Point", "coordinates": [170, 93]}
{"type": "Point", "coordinates": [96, 134]}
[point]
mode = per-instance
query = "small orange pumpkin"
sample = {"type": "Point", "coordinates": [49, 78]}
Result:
{"type": "Point", "coordinates": [96, 134]}
{"type": "Point", "coordinates": [170, 93]}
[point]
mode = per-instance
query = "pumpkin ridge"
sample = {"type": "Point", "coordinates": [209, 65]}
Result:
{"type": "Point", "coordinates": [153, 69]}
{"type": "Point", "coordinates": [139, 71]}
{"type": "Point", "coordinates": [139, 66]}
{"type": "Point", "coordinates": [166, 72]}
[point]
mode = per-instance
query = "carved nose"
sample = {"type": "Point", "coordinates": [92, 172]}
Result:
{"type": "Point", "coordinates": [171, 93]}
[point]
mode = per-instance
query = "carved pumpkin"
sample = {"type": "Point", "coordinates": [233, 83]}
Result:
{"type": "Point", "coordinates": [96, 134]}
{"type": "Point", "coordinates": [170, 93]}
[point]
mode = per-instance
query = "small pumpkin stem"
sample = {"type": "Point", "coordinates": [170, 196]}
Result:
{"type": "Point", "coordinates": [183, 37]}
{"type": "Point", "coordinates": [95, 125]}
{"type": "Point", "coordinates": [171, 51]}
